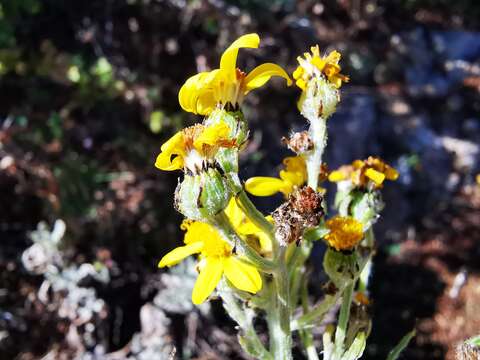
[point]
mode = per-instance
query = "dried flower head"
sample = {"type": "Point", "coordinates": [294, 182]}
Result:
{"type": "Point", "coordinates": [302, 210]}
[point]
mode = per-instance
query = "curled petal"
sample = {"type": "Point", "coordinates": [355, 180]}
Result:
{"type": "Point", "coordinates": [264, 186]}
{"type": "Point", "coordinates": [172, 147]}
{"type": "Point", "coordinates": [228, 62]}
{"type": "Point", "coordinates": [207, 280]}
{"type": "Point", "coordinates": [243, 276]}
{"type": "Point", "coordinates": [180, 253]}
{"type": "Point", "coordinates": [391, 173]}
{"type": "Point", "coordinates": [212, 135]}
{"type": "Point", "coordinates": [262, 73]}
{"type": "Point", "coordinates": [196, 95]}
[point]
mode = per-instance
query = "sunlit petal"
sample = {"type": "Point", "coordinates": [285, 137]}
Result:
{"type": "Point", "coordinates": [261, 74]}
{"type": "Point", "coordinates": [376, 176]}
{"type": "Point", "coordinates": [264, 186]}
{"type": "Point", "coordinates": [243, 276]}
{"type": "Point", "coordinates": [180, 253]}
{"type": "Point", "coordinates": [228, 62]}
{"type": "Point", "coordinates": [207, 280]}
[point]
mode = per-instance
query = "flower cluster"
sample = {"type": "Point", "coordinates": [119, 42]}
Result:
{"type": "Point", "coordinates": [260, 262]}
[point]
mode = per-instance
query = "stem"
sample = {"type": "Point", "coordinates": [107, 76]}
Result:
{"type": "Point", "coordinates": [343, 320]}
{"type": "Point", "coordinates": [244, 318]}
{"type": "Point", "coordinates": [225, 228]}
{"type": "Point", "coordinates": [254, 215]}
{"type": "Point", "coordinates": [306, 336]}
{"type": "Point", "coordinates": [318, 134]}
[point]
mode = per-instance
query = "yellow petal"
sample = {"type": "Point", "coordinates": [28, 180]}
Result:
{"type": "Point", "coordinates": [262, 73]}
{"type": "Point", "coordinates": [198, 231]}
{"type": "Point", "coordinates": [180, 253]}
{"type": "Point", "coordinates": [376, 176]}
{"type": "Point", "coordinates": [173, 146]}
{"type": "Point", "coordinates": [263, 185]}
{"type": "Point", "coordinates": [336, 176]}
{"type": "Point", "coordinates": [212, 134]}
{"type": "Point", "coordinates": [228, 62]}
{"type": "Point", "coordinates": [196, 94]}
{"type": "Point", "coordinates": [391, 173]}
{"type": "Point", "coordinates": [207, 280]}
{"type": "Point", "coordinates": [234, 213]}
{"type": "Point", "coordinates": [243, 276]}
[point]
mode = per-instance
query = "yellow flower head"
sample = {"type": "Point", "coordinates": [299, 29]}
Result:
{"type": "Point", "coordinates": [313, 65]}
{"type": "Point", "coordinates": [204, 92]}
{"type": "Point", "coordinates": [345, 232]}
{"type": "Point", "coordinates": [217, 260]}
{"type": "Point", "coordinates": [292, 176]}
{"type": "Point", "coordinates": [193, 147]}
{"type": "Point", "coordinates": [364, 172]}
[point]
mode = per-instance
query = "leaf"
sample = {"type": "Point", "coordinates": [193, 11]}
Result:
{"type": "Point", "coordinates": [395, 352]}
{"type": "Point", "coordinates": [357, 348]}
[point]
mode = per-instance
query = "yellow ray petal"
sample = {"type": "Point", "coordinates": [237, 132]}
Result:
{"type": "Point", "coordinates": [228, 62]}
{"type": "Point", "coordinates": [391, 173]}
{"type": "Point", "coordinates": [180, 253]}
{"type": "Point", "coordinates": [207, 280]}
{"type": "Point", "coordinates": [196, 92]}
{"type": "Point", "coordinates": [262, 73]}
{"type": "Point", "coordinates": [234, 213]}
{"type": "Point", "coordinates": [173, 146]}
{"type": "Point", "coordinates": [197, 231]}
{"type": "Point", "coordinates": [336, 176]}
{"type": "Point", "coordinates": [376, 176]}
{"type": "Point", "coordinates": [263, 185]}
{"type": "Point", "coordinates": [164, 162]}
{"type": "Point", "coordinates": [243, 276]}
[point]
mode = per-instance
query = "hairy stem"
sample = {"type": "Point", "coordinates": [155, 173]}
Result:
{"type": "Point", "coordinates": [343, 318]}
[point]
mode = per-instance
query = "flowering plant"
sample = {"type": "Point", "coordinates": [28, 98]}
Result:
{"type": "Point", "coordinates": [257, 264]}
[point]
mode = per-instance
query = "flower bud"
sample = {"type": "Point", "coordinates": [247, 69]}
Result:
{"type": "Point", "coordinates": [341, 266]}
{"type": "Point", "coordinates": [199, 197]}
{"type": "Point", "coordinates": [319, 100]}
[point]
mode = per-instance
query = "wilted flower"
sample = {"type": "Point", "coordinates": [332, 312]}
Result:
{"type": "Point", "coordinates": [206, 91]}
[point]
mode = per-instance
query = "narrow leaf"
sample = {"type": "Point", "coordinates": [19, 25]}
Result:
{"type": "Point", "coordinates": [395, 352]}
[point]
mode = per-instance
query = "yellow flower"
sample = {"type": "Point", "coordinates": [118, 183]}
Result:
{"type": "Point", "coordinates": [217, 260]}
{"type": "Point", "coordinates": [204, 92]}
{"type": "Point", "coordinates": [194, 147]}
{"type": "Point", "coordinates": [247, 229]}
{"type": "Point", "coordinates": [293, 176]}
{"type": "Point", "coordinates": [361, 172]}
{"type": "Point", "coordinates": [313, 65]}
{"type": "Point", "coordinates": [345, 232]}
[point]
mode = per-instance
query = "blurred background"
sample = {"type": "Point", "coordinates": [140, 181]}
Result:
{"type": "Point", "coordinates": [88, 93]}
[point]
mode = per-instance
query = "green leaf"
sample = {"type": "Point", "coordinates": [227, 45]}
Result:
{"type": "Point", "coordinates": [357, 348]}
{"type": "Point", "coordinates": [395, 352]}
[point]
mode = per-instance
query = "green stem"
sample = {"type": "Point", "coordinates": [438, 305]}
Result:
{"type": "Point", "coordinates": [343, 318]}
{"type": "Point", "coordinates": [254, 215]}
{"type": "Point", "coordinates": [318, 134]}
{"type": "Point", "coordinates": [224, 226]}
{"type": "Point", "coordinates": [306, 335]}
{"type": "Point", "coordinates": [250, 340]}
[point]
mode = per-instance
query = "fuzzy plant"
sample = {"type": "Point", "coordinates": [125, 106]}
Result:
{"type": "Point", "coordinates": [256, 263]}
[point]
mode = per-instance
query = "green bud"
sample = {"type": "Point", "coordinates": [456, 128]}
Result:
{"type": "Point", "coordinates": [341, 267]}
{"type": "Point", "coordinates": [200, 197]}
